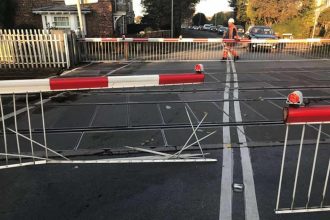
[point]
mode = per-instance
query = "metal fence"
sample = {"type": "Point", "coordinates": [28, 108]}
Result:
{"type": "Point", "coordinates": [305, 168]}
{"type": "Point", "coordinates": [33, 49]}
{"type": "Point", "coordinates": [188, 49]}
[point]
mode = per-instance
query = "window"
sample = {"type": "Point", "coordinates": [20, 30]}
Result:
{"type": "Point", "coordinates": [261, 30]}
{"type": "Point", "coordinates": [61, 22]}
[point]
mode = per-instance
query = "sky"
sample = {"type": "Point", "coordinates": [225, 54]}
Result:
{"type": "Point", "coordinates": [208, 7]}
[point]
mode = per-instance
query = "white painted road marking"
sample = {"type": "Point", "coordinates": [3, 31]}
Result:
{"type": "Point", "coordinates": [227, 159]}
{"type": "Point", "coordinates": [78, 68]}
{"type": "Point", "coordinates": [120, 68]}
{"type": "Point", "coordinates": [251, 207]}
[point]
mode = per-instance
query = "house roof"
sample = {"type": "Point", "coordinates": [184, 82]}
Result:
{"type": "Point", "coordinates": [63, 9]}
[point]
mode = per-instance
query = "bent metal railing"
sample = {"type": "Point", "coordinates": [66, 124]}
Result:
{"type": "Point", "coordinates": [305, 168]}
{"type": "Point", "coordinates": [14, 92]}
{"type": "Point", "coordinates": [191, 49]}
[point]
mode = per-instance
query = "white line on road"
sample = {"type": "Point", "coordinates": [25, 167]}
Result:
{"type": "Point", "coordinates": [227, 159]}
{"type": "Point", "coordinates": [22, 110]}
{"type": "Point", "coordinates": [78, 68]}
{"type": "Point", "coordinates": [251, 207]}
{"type": "Point", "coordinates": [120, 68]}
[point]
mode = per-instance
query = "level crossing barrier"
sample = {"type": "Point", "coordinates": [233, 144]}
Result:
{"type": "Point", "coordinates": [35, 149]}
{"type": "Point", "coordinates": [191, 49]}
{"type": "Point", "coordinates": [305, 167]}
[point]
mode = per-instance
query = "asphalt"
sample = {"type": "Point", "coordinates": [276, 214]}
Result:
{"type": "Point", "coordinates": [155, 118]}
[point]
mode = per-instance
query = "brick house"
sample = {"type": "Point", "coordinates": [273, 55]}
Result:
{"type": "Point", "coordinates": [103, 19]}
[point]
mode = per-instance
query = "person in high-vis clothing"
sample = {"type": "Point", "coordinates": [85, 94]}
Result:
{"type": "Point", "coordinates": [232, 33]}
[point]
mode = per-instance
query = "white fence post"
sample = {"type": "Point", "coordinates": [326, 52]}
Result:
{"type": "Point", "coordinates": [66, 47]}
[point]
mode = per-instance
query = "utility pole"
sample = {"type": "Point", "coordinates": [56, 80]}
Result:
{"type": "Point", "coordinates": [172, 20]}
{"type": "Point", "coordinates": [82, 30]}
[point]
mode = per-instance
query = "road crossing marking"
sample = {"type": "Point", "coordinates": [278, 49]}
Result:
{"type": "Point", "coordinates": [227, 158]}
{"type": "Point", "coordinates": [251, 207]}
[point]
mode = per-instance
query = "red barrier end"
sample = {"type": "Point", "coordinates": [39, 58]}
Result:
{"type": "Point", "coordinates": [309, 115]}
{"type": "Point", "coordinates": [78, 83]}
{"type": "Point", "coordinates": [181, 78]}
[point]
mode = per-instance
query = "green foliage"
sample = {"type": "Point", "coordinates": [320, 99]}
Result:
{"type": "Point", "coordinates": [285, 16]}
{"type": "Point", "coordinates": [324, 23]}
{"type": "Point", "coordinates": [7, 13]}
{"type": "Point", "coordinates": [300, 28]}
{"type": "Point", "coordinates": [158, 13]}
{"type": "Point", "coordinates": [240, 8]}
{"type": "Point", "coordinates": [221, 18]}
{"type": "Point", "coordinates": [278, 11]}
{"type": "Point", "coordinates": [199, 19]}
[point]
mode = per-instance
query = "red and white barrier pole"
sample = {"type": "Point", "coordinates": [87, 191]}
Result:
{"type": "Point", "coordinates": [205, 40]}
{"type": "Point", "coordinates": [85, 83]}
{"type": "Point", "coordinates": [307, 115]}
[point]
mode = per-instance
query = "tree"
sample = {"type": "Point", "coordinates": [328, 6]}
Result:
{"type": "Point", "coordinates": [324, 18]}
{"type": "Point", "coordinates": [7, 13]}
{"type": "Point", "coordinates": [158, 13]}
{"type": "Point", "coordinates": [221, 18]}
{"type": "Point", "coordinates": [324, 23]}
{"type": "Point", "coordinates": [199, 19]}
{"type": "Point", "coordinates": [239, 7]}
{"type": "Point", "coordinates": [276, 11]}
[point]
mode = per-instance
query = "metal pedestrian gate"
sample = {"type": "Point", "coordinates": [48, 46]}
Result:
{"type": "Point", "coordinates": [305, 168]}
{"type": "Point", "coordinates": [23, 136]}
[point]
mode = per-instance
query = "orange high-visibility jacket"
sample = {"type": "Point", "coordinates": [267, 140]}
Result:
{"type": "Point", "coordinates": [232, 32]}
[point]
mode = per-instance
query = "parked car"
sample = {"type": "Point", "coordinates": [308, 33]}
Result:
{"type": "Point", "coordinates": [206, 27]}
{"type": "Point", "coordinates": [240, 29]}
{"type": "Point", "coordinates": [213, 28]}
{"type": "Point", "coordinates": [222, 31]}
{"type": "Point", "coordinates": [262, 32]}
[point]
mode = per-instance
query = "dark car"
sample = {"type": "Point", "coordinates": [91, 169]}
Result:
{"type": "Point", "coordinates": [240, 29]}
{"type": "Point", "coordinates": [261, 32]}
{"type": "Point", "coordinates": [222, 30]}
